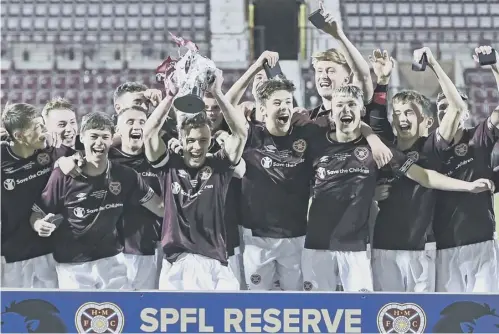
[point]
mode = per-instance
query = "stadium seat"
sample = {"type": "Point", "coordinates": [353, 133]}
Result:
{"type": "Point", "coordinates": [482, 89]}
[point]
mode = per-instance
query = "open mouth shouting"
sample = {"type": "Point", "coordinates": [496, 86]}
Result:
{"type": "Point", "coordinates": [404, 127]}
{"type": "Point", "coordinates": [325, 84]}
{"type": "Point", "coordinates": [68, 137]}
{"type": "Point", "coordinates": [196, 157]}
{"type": "Point", "coordinates": [136, 135]}
{"type": "Point", "coordinates": [98, 151]}
{"type": "Point", "coordinates": [346, 119]}
{"type": "Point", "coordinates": [283, 119]}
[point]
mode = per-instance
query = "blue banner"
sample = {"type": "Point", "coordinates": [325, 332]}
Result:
{"type": "Point", "coordinates": [250, 312]}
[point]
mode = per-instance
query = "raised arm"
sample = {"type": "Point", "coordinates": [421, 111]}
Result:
{"type": "Point", "coordinates": [377, 111]}
{"type": "Point", "coordinates": [234, 145]}
{"type": "Point", "coordinates": [486, 49]}
{"type": "Point", "coordinates": [236, 92]}
{"type": "Point", "coordinates": [494, 117]}
{"type": "Point", "coordinates": [360, 68]}
{"type": "Point", "coordinates": [452, 119]}
{"type": "Point", "coordinates": [154, 146]}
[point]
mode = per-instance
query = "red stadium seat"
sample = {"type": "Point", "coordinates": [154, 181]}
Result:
{"type": "Point", "coordinates": [59, 81]}
{"type": "Point", "coordinates": [42, 97]}
{"type": "Point", "coordinates": [16, 81]}
{"type": "Point", "coordinates": [483, 92]}
{"type": "Point", "coordinates": [30, 82]}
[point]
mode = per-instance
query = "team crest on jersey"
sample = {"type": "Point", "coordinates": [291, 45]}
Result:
{"type": "Point", "coordinates": [99, 318]}
{"type": "Point", "coordinates": [182, 173]}
{"type": "Point", "coordinates": [79, 212]}
{"type": "Point", "coordinates": [256, 279]}
{"type": "Point", "coordinates": [401, 318]}
{"type": "Point", "coordinates": [461, 149]}
{"type": "Point", "coordinates": [266, 162]}
{"type": "Point", "coordinates": [205, 173]}
{"type": "Point", "coordinates": [300, 145]}
{"type": "Point", "coordinates": [413, 155]}
{"type": "Point", "coordinates": [321, 172]}
{"type": "Point", "coordinates": [43, 158]}
{"type": "Point", "coordinates": [9, 184]}
{"type": "Point", "coordinates": [361, 153]}
{"type": "Point", "coordinates": [176, 188]}
{"type": "Point", "coordinates": [307, 286]}
{"type": "Point", "coordinates": [115, 187]}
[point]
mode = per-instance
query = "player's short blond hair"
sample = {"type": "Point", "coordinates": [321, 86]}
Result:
{"type": "Point", "coordinates": [349, 90]}
{"type": "Point", "coordinates": [333, 55]}
{"type": "Point", "coordinates": [56, 103]}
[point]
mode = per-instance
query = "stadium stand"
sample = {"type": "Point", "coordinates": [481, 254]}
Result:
{"type": "Point", "coordinates": [482, 90]}
{"type": "Point", "coordinates": [430, 21]}
{"type": "Point", "coordinates": [83, 50]}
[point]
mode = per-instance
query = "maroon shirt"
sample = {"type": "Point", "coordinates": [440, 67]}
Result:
{"type": "Point", "coordinates": [23, 180]}
{"type": "Point", "coordinates": [139, 229]}
{"type": "Point", "coordinates": [464, 218]}
{"type": "Point", "coordinates": [195, 199]}
{"type": "Point", "coordinates": [405, 218]}
{"type": "Point", "coordinates": [276, 185]}
{"type": "Point", "coordinates": [344, 186]}
{"type": "Point", "coordinates": [92, 207]}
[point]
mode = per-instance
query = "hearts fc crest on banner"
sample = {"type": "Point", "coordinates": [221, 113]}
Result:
{"type": "Point", "coordinates": [99, 318]}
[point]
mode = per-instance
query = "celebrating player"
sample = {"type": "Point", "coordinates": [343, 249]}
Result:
{"type": "Point", "coordinates": [86, 246]}
{"type": "Point", "coordinates": [336, 244]}
{"type": "Point", "coordinates": [139, 228]}
{"type": "Point", "coordinates": [406, 263]}
{"type": "Point", "coordinates": [275, 191]}
{"type": "Point", "coordinates": [256, 73]}
{"type": "Point", "coordinates": [464, 223]}
{"type": "Point", "coordinates": [26, 167]}
{"type": "Point", "coordinates": [60, 120]}
{"type": "Point", "coordinates": [195, 187]}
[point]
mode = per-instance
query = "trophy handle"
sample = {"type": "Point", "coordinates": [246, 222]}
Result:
{"type": "Point", "coordinates": [190, 103]}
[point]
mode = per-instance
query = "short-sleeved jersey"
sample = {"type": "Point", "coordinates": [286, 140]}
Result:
{"type": "Point", "coordinates": [195, 207]}
{"type": "Point", "coordinates": [23, 180]}
{"type": "Point", "coordinates": [276, 186]}
{"type": "Point", "coordinates": [343, 190]}
{"type": "Point", "coordinates": [92, 207]}
{"type": "Point", "coordinates": [465, 218]}
{"type": "Point", "coordinates": [140, 229]}
{"type": "Point", "coordinates": [405, 218]}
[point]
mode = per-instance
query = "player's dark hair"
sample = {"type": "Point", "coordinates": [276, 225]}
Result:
{"type": "Point", "coordinates": [128, 87]}
{"type": "Point", "coordinates": [56, 103]}
{"type": "Point", "coordinates": [408, 96]}
{"type": "Point", "coordinates": [18, 116]}
{"type": "Point", "coordinates": [269, 87]}
{"type": "Point", "coordinates": [441, 96]}
{"type": "Point", "coordinates": [188, 122]}
{"type": "Point", "coordinates": [97, 121]}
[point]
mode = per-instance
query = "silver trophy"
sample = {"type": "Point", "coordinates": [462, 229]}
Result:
{"type": "Point", "coordinates": [193, 73]}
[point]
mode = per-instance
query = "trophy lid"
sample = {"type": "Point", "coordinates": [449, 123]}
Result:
{"type": "Point", "coordinates": [189, 103]}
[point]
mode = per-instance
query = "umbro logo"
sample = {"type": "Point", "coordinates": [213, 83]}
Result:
{"type": "Point", "coordinates": [270, 148]}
